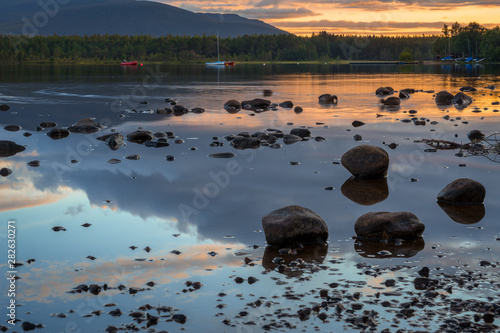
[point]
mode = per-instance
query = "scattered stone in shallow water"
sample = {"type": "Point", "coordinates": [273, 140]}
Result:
{"type": "Point", "coordinates": [170, 158]}
{"type": "Point", "coordinates": [134, 157]}
{"type": "Point", "coordinates": [58, 133]}
{"type": "Point", "coordinates": [34, 164]}
{"type": "Point", "coordinates": [86, 225]}
{"type": "Point", "coordinates": [4, 107]}
{"type": "Point", "coordinates": [257, 104]}
{"type": "Point", "coordinates": [475, 135]}
{"type": "Point", "coordinates": [384, 91]}
{"type": "Point", "coordinates": [85, 126]}
{"type": "Point", "coordinates": [12, 128]}
{"type": "Point", "coordinates": [357, 137]}
{"type": "Point", "coordinates": [357, 123]}
{"type": "Point", "coordinates": [294, 224]}
{"type": "Point", "coordinates": [366, 161]}
{"type": "Point", "coordinates": [58, 228]}
{"type": "Point", "coordinates": [388, 225]}
{"type": "Point", "coordinates": [4, 172]}
{"type": "Point", "coordinates": [139, 136]}
{"type": "Point", "coordinates": [222, 155]}
{"type": "Point", "coordinates": [294, 163]}
{"type": "Point", "coordinates": [114, 161]}
{"type": "Point", "coordinates": [302, 132]}
{"type": "Point", "coordinates": [298, 109]}
{"type": "Point", "coordinates": [443, 98]}
{"type": "Point", "coordinates": [113, 140]}
{"type": "Point", "coordinates": [9, 148]}
{"type": "Point", "coordinates": [286, 104]}
{"type": "Point", "coordinates": [328, 99]}
{"type": "Point", "coordinates": [391, 101]}
{"type": "Point", "coordinates": [463, 191]}
{"type": "Point", "coordinates": [329, 188]}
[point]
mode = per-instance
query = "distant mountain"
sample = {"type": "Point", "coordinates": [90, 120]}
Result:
{"type": "Point", "coordinates": [124, 17]}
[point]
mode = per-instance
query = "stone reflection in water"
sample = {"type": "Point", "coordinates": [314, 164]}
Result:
{"type": "Point", "coordinates": [389, 248]}
{"type": "Point", "coordinates": [463, 214]}
{"type": "Point", "coordinates": [365, 192]}
{"type": "Point", "coordinates": [294, 262]}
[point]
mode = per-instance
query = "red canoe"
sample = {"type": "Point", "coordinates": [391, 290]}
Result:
{"type": "Point", "coordinates": [129, 63]}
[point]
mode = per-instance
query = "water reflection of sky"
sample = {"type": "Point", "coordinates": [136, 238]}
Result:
{"type": "Point", "coordinates": [145, 202]}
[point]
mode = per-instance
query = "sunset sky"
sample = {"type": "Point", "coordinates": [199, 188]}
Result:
{"type": "Point", "coordinates": [354, 17]}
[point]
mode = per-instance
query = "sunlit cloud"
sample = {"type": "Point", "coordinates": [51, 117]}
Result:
{"type": "Point", "coordinates": [46, 285]}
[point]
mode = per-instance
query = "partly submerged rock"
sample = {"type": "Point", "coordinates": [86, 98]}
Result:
{"type": "Point", "coordinates": [366, 161]}
{"type": "Point", "coordinates": [302, 132]}
{"type": "Point", "coordinates": [241, 142]}
{"type": "Point", "coordinates": [461, 100]}
{"type": "Point", "coordinates": [357, 123]}
{"type": "Point", "coordinates": [391, 101]}
{"type": "Point", "coordinates": [468, 89]}
{"type": "Point", "coordinates": [113, 140]}
{"type": "Point", "coordinates": [462, 191]}
{"type": "Point", "coordinates": [9, 148]}
{"type": "Point", "coordinates": [232, 106]}
{"type": "Point", "coordinates": [286, 104]}
{"type": "Point", "coordinates": [389, 225]}
{"type": "Point", "coordinates": [328, 99]}
{"type": "Point", "coordinates": [140, 136]}
{"type": "Point", "coordinates": [4, 107]}
{"type": "Point", "coordinates": [257, 104]}
{"type": "Point", "coordinates": [294, 225]}
{"type": "Point", "coordinates": [222, 155]}
{"type": "Point", "coordinates": [4, 172]}
{"type": "Point", "coordinates": [444, 98]}
{"type": "Point", "coordinates": [85, 126]}
{"type": "Point", "coordinates": [12, 128]}
{"type": "Point", "coordinates": [475, 135]}
{"type": "Point", "coordinates": [384, 91]}
{"type": "Point", "coordinates": [58, 133]}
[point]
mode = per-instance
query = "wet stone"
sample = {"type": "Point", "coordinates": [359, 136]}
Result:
{"type": "Point", "coordinates": [4, 172]}
{"type": "Point", "coordinates": [58, 133]}
{"type": "Point", "coordinates": [12, 128]}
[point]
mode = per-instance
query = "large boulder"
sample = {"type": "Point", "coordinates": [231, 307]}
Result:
{"type": "Point", "coordinates": [444, 98]}
{"type": "Point", "coordinates": [462, 191]}
{"type": "Point", "coordinates": [294, 225]}
{"type": "Point", "coordinates": [389, 225]}
{"type": "Point", "coordinates": [328, 99]}
{"type": "Point", "coordinates": [366, 161]}
{"type": "Point", "coordinates": [85, 126]}
{"type": "Point", "coordinates": [257, 104]}
{"type": "Point", "coordinates": [9, 148]}
{"type": "Point", "coordinates": [462, 100]}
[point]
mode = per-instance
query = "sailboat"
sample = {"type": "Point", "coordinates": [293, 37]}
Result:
{"type": "Point", "coordinates": [219, 62]}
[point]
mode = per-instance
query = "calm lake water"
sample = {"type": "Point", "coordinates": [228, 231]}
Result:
{"type": "Point", "coordinates": [210, 210]}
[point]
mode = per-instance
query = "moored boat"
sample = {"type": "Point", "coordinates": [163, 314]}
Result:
{"type": "Point", "coordinates": [129, 63]}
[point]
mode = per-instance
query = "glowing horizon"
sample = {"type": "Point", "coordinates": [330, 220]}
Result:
{"type": "Point", "coordinates": [375, 17]}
